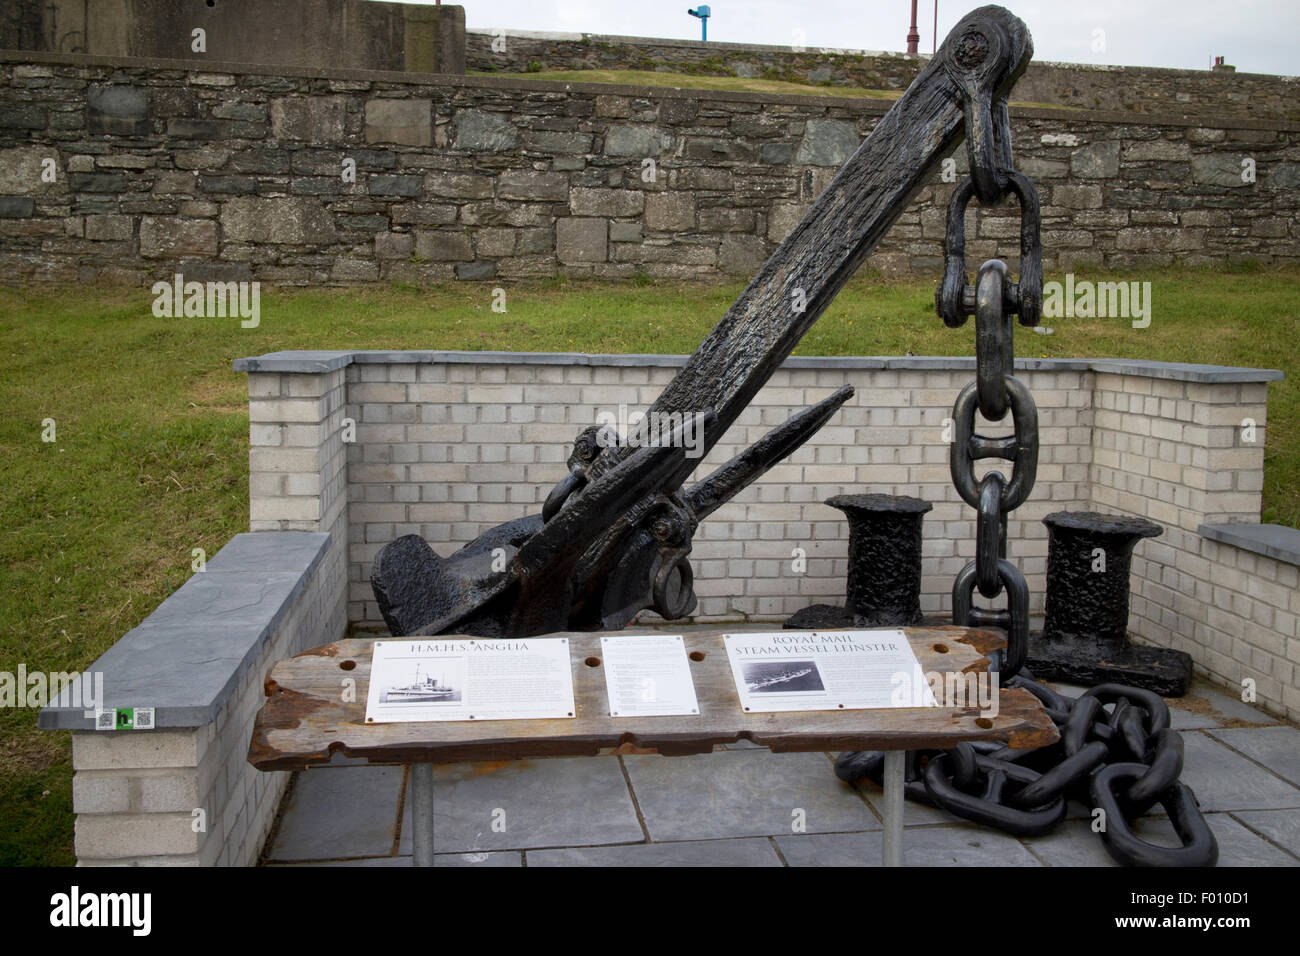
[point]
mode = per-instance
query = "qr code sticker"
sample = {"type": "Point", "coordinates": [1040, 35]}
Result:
{"type": "Point", "coordinates": [144, 718]}
{"type": "Point", "coordinates": [105, 720]}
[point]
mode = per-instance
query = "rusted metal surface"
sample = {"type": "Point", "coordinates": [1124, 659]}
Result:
{"type": "Point", "coordinates": [305, 719]}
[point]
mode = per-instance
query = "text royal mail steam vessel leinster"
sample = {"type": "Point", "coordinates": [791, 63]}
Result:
{"type": "Point", "coordinates": [421, 691]}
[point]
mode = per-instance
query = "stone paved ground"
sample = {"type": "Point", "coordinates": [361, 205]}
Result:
{"type": "Point", "coordinates": [734, 808]}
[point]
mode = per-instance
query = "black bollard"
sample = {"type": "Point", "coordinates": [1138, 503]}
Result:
{"type": "Point", "coordinates": [1085, 631]}
{"type": "Point", "coordinates": [884, 579]}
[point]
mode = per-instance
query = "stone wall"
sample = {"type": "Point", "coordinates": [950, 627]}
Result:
{"type": "Point", "coordinates": [1209, 93]}
{"type": "Point", "coordinates": [447, 445]}
{"type": "Point", "coordinates": [135, 170]}
{"type": "Point", "coordinates": [356, 34]}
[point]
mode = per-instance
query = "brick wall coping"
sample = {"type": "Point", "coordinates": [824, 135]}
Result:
{"type": "Point", "coordinates": [1271, 540]}
{"type": "Point", "coordinates": [186, 658]}
{"type": "Point", "coordinates": [866, 105]}
{"type": "Point", "coordinates": [318, 361]}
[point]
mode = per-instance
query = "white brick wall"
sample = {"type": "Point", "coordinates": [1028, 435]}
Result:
{"type": "Point", "coordinates": [447, 449]}
{"type": "Point", "coordinates": [1176, 452]}
{"type": "Point", "coordinates": [135, 792]}
{"type": "Point", "coordinates": [451, 450]}
{"type": "Point", "coordinates": [297, 461]}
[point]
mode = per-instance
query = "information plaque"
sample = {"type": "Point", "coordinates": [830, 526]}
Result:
{"type": "Point", "coordinates": [469, 679]}
{"type": "Point", "coordinates": [648, 675]}
{"type": "Point", "coordinates": [825, 670]}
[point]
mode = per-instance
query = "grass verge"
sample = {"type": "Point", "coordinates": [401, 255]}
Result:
{"type": "Point", "coordinates": [741, 84]}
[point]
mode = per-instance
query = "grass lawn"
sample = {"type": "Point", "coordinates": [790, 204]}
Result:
{"type": "Point", "coordinates": [695, 81]}
{"type": "Point", "coordinates": [151, 457]}
{"type": "Point", "coordinates": [700, 81]}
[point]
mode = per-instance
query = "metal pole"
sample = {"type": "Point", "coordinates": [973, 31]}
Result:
{"type": "Point", "coordinates": [422, 813]}
{"type": "Point", "coordinates": [913, 38]}
{"type": "Point", "coordinates": [892, 781]}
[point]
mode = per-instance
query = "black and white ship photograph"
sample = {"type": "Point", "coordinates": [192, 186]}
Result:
{"type": "Point", "coordinates": [422, 684]}
{"type": "Point", "coordinates": [783, 677]}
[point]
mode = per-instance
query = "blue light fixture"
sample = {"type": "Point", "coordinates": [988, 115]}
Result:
{"type": "Point", "coordinates": [703, 12]}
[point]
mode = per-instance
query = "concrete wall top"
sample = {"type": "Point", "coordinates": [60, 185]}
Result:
{"type": "Point", "coordinates": [317, 361]}
{"type": "Point", "coordinates": [1271, 540]}
{"type": "Point", "coordinates": [186, 658]}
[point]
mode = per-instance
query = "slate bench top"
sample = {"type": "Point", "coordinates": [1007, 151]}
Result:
{"type": "Point", "coordinates": [319, 361]}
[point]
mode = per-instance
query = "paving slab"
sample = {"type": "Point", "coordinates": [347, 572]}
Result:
{"type": "Point", "coordinates": [1068, 690]}
{"type": "Point", "coordinates": [561, 802]}
{"type": "Point", "coordinates": [1180, 719]}
{"type": "Point", "coordinates": [924, 846]}
{"type": "Point", "coordinates": [1225, 780]}
{"type": "Point", "coordinates": [1238, 846]}
{"type": "Point", "coordinates": [1071, 844]}
{"type": "Point", "coordinates": [1074, 843]}
{"type": "Point", "coordinates": [346, 812]}
{"type": "Point", "coordinates": [1280, 826]}
{"type": "Point", "coordinates": [1231, 707]}
{"type": "Point", "coordinates": [914, 814]}
{"type": "Point", "coordinates": [1188, 713]}
{"type": "Point", "coordinates": [1277, 748]}
{"type": "Point", "coordinates": [737, 793]}
{"type": "Point", "coordinates": [755, 851]}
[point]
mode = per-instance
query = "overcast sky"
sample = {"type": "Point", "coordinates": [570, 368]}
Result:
{"type": "Point", "coordinates": [1258, 36]}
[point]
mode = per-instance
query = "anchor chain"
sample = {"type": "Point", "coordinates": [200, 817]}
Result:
{"type": "Point", "coordinates": [993, 300]}
{"type": "Point", "coordinates": [1120, 761]}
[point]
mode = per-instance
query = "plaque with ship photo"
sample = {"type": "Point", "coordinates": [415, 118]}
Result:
{"type": "Point", "coordinates": [825, 670]}
{"type": "Point", "coordinates": [433, 679]}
